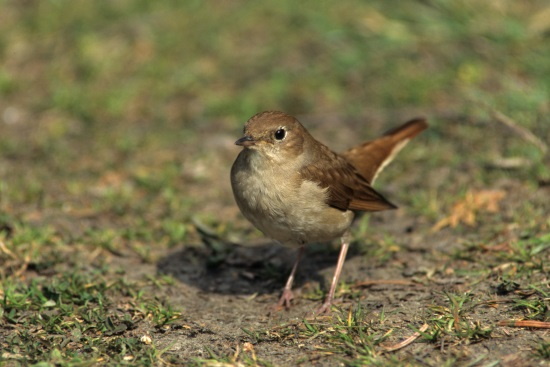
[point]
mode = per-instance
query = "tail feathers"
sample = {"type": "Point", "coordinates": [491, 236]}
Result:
{"type": "Point", "coordinates": [371, 157]}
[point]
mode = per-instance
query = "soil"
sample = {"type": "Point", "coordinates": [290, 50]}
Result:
{"type": "Point", "coordinates": [226, 291]}
{"type": "Point", "coordinates": [223, 293]}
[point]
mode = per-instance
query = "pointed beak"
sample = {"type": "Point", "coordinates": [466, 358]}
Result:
{"type": "Point", "coordinates": [245, 141]}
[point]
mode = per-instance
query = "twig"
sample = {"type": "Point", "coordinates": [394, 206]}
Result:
{"type": "Point", "coordinates": [521, 131]}
{"type": "Point", "coordinates": [368, 283]}
{"type": "Point", "coordinates": [4, 249]}
{"type": "Point", "coordinates": [448, 281]}
{"type": "Point", "coordinates": [525, 323]}
{"type": "Point", "coordinates": [407, 341]}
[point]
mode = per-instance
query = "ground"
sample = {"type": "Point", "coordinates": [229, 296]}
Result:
{"type": "Point", "coordinates": [121, 244]}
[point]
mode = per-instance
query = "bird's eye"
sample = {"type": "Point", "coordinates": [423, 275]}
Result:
{"type": "Point", "coordinates": [280, 134]}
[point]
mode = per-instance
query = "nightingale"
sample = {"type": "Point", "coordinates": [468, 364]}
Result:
{"type": "Point", "coordinates": [297, 191]}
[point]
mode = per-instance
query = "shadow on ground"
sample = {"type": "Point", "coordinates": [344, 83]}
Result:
{"type": "Point", "coordinates": [243, 270]}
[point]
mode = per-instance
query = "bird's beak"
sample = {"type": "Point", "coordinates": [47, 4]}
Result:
{"type": "Point", "coordinates": [246, 141]}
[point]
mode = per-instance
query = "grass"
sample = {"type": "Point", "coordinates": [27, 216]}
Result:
{"type": "Point", "coordinates": [450, 321]}
{"type": "Point", "coordinates": [116, 128]}
{"type": "Point", "coordinates": [78, 318]}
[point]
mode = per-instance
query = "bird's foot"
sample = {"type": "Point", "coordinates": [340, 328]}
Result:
{"type": "Point", "coordinates": [284, 301]}
{"type": "Point", "coordinates": [325, 308]}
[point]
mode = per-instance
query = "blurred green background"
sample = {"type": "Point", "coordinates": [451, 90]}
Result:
{"type": "Point", "coordinates": [117, 123]}
{"type": "Point", "coordinates": [123, 62]}
{"type": "Point", "coordinates": [144, 87]}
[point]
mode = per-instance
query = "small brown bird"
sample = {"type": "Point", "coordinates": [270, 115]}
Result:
{"type": "Point", "coordinates": [296, 190]}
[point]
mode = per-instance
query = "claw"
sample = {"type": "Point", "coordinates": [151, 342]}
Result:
{"type": "Point", "coordinates": [285, 299]}
{"type": "Point", "coordinates": [325, 308]}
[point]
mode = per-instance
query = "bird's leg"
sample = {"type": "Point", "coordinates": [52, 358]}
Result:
{"type": "Point", "coordinates": [325, 307]}
{"type": "Point", "coordinates": [287, 295]}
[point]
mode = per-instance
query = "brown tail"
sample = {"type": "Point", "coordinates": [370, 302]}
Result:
{"type": "Point", "coordinates": [371, 157]}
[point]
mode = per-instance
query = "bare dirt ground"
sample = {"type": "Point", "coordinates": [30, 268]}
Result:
{"type": "Point", "coordinates": [419, 276]}
{"type": "Point", "coordinates": [403, 272]}
{"type": "Point", "coordinates": [222, 299]}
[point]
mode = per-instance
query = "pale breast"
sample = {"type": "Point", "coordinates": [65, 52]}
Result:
{"type": "Point", "coordinates": [283, 206]}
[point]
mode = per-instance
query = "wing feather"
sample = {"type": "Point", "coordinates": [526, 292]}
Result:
{"type": "Point", "coordinates": [347, 189]}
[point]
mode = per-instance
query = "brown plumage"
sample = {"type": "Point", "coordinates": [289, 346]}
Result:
{"type": "Point", "coordinates": [371, 157]}
{"type": "Point", "coordinates": [347, 188]}
{"type": "Point", "coordinates": [296, 190]}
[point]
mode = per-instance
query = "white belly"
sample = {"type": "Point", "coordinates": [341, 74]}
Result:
{"type": "Point", "coordinates": [284, 207]}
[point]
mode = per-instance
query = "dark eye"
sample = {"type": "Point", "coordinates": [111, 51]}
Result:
{"type": "Point", "coordinates": [280, 134]}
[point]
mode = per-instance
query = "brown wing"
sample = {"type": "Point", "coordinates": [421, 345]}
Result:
{"type": "Point", "coordinates": [371, 157]}
{"type": "Point", "coordinates": [347, 189]}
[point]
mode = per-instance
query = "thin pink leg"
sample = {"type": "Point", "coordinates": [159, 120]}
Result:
{"type": "Point", "coordinates": [287, 295]}
{"type": "Point", "coordinates": [325, 307]}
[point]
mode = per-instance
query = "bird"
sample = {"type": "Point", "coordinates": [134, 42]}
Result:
{"type": "Point", "coordinates": [297, 191]}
